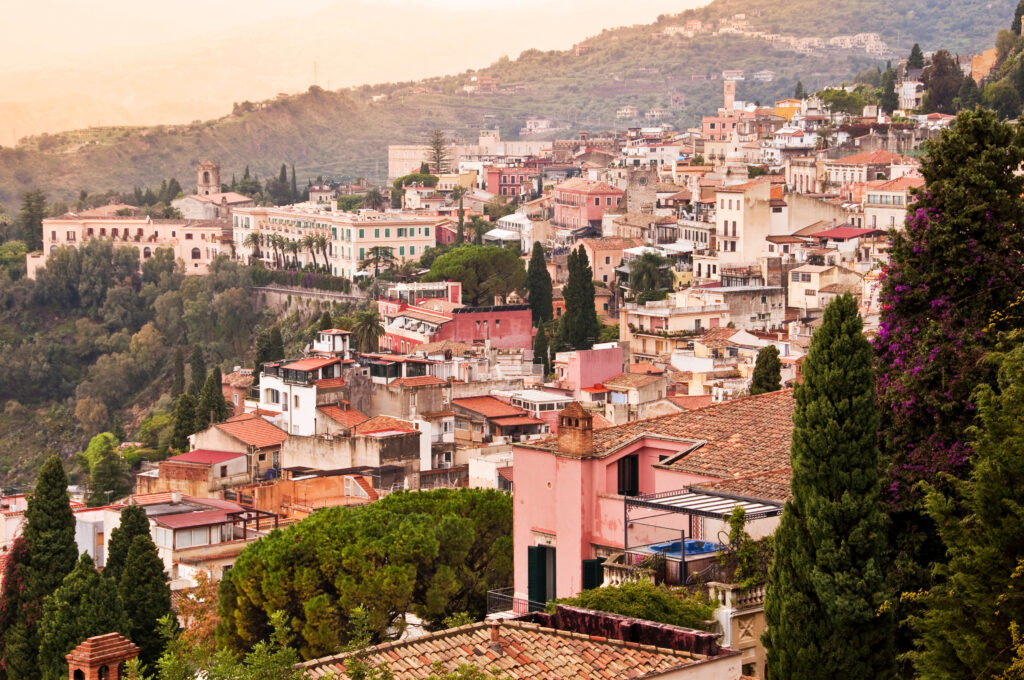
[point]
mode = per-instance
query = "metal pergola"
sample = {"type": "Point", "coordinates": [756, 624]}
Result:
{"type": "Point", "coordinates": [690, 503]}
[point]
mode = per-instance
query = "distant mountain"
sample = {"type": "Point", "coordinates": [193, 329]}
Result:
{"type": "Point", "coordinates": [345, 133]}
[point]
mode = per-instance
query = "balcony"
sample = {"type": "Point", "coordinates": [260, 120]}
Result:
{"type": "Point", "coordinates": [732, 596]}
{"type": "Point", "coordinates": [504, 601]}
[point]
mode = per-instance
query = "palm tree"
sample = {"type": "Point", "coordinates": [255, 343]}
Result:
{"type": "Point", "coordinates": [825, 134]}
{"type": "Point", "coordinates": [294, 247]}
{"type": "Point", "coordinates": [278, 241]}
{"type": "Point", "coordinates": [367, 330]}
{"type": "Point", "coordinates": [648, 272]}
{"type": "Point", "coordinates": [252, 241]}
{"type": "Point", "coordinates": [309, 243]}
{"type": "Point", "coordinates": [376, 256]}
{"type": "Point", "coordinates": [374, 199]}
{"type": "Point", "coordinates": [322, 243]}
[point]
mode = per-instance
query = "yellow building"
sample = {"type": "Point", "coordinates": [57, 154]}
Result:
{"type": "Point", "coordinates": [787, 108]}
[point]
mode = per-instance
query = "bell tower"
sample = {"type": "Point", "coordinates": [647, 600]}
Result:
{"type": "Point", "coordinates": [100, 657]}
{"type": "Point", "coordinates": [208, 178]}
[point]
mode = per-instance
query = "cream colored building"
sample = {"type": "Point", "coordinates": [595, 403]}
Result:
{"type": "Point", "coordinates": [885, 205]}
{"type": "Point", "coordinates": [195, 243]}
{"type": "Point", "coordinates": [812, 287]}
{"type": "Point", "coordinates": [350, 236]}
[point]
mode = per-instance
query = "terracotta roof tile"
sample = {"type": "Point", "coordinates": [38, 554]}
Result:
{"type": "Point", "coordinates": [240, 378]}
{"type": "Point", "coordinates": [419, 381]}
{"type": "Point", "coordinates": [253, 430]}
{"type": "Point", "coordinates": [772, 485]}
{"type": "Point", "coordinates": [631, 380]}
{"type": "Point", "coordinates": [311, 364]}
{"type": "Point", "coordinates": [525, 650]}
{"type": "Point", "coordinates": [489, 407]}
{"type": "Point", "coordinates": [382, 423]}
{"type": "Point", "coordinates": [330, 383]}
{"type": "Point", "coordinates": [743, 436]}
{"type": "Point", "coordinates": [347, 417]}
{"type": "Point", "coordinates": [205, 456]}
{"type": "Point", "coordinates": [645, 368]}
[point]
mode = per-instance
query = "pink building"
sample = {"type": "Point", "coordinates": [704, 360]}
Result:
{"type": "Point", "coordinates": [506, 326]}
{"type": "Point", "coordinates": [585, 368]}
{"type": "Point", "coordinates": [720, 128]}
{"type": "Point", "coordinates": [618, 494]}
{"type": "Point", "coordinates": [511, 181]}
{"type": "Point", "coordinates": [581, 203]}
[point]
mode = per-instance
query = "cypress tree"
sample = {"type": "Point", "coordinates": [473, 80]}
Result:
{"type": "Point", "coordinates": [540, 350]}
{"type": "Point", "coordinates": [966, 620]}
{"type": "Point", "coordinates": [133, 523]}
{"type": "Point", "coordinates": [579, 327]}
{"type": "Point", "coordinates": [86, 604]}
{"type": "Point", "coordinates": [538, 283]}
{"type": "Point", "coordinates": [295, 188]}
{"type": "Point", "coordinates": [1017, 14]}
{"type": "Point", "coordinates": [184, 422]}
{"type": "Point", "coordinates": [146, 597]}
{"type": "Point", "coordinates": [282, 177]}
{"type": "Point", "coordinates": [213, 407]}
{"type": "Point", "coordinates": [109, 479]}
{"type": "Point", "coordinates": [969, 96]}
{"type": "Point", "coordinates": [798, 91]}
{"type": "Point", "coordinates": [11, 601]}
{"type": "Point", "coordinates": [178, 373]}
{"type": "Point", "coordinates": [276, 351]}
{"type": "Point", "coordinates": [326, 322]}
{"type": "Point", "coordinates": [198, 367]}
{"type": "Point", "coordinates": [827, 582]}
{"type": "Point", "coordinates": [767, 371]}
{"type": "Point", "coordinates": [50, 544]}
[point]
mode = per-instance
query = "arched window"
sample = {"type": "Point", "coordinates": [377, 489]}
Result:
{"type": "Point", "coordinates": [146, 252]}
{"type": "Point", "coordinates": [196, 254]}
{"type": "Point", "coordinates": [78, 674]}
{"type": "Point", "coordinates": [206, 177]}
{"type": "Point", "coordinates": [104, 673]}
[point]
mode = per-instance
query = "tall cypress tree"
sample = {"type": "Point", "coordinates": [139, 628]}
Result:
{"type": "Point", "coordinates": [178, 373]}
{"type": "Point", "coordinates": [326, 322]}
{"type": "Point", "coordinates": [198, 368]}
{"type": "Point", "coordinates": [109, 479]}
{"type": "Point", "coordinates": [276, 350]}
{"type": "Point", "coordinates": [146, 597]}
{"type": "Point", "coordinates": [50, 543]}
{"type": "Point", "coordinates": [826, 584]}
{"type": "Point", "coordinates": [212, 407]}
{"type": "Point", "coordinates": [11, 594]}
{"type": "Point", "coordinates": [540, 350]}
{"type": "Point", "coordinates": [184, 422]}
{"type": "Point", "coordinates": [964, 630]}
{"type": "Point", "coordinates": [767, 371]}
{"type": "Point", "coordinates": [538, 283]}
{"type": "Point", "coordinates": [133, 523]}
{"type": "Point", "coordinates": [579, 327]}
{"type": "Point", "coordinates": [86, 604]}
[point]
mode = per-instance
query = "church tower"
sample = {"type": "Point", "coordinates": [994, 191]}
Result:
{"type": "Point", "coordinates": [208, 178]}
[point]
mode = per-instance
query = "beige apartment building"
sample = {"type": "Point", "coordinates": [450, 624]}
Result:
{"type": "Point", "coordinates": [350, 236]}
{"type": "Point", "coordinates": [195, 243]}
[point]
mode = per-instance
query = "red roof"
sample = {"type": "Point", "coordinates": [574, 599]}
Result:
{"type": "Point", "coordinates": [311, 364]}
{"type": "Point", "coordinates": [250, 429]}
{"type": "Point", "coordinates": [335, 331]}
{"type": "Point", "coordinates": [347, 417]}
{"type": "Point", "coordinates": [517, 420]}
{"type": "Point", "coordinates": [645, 367]}
{"type": "Point", "coordinates": [192, 519]}
{"type": "Point", "coordinates": [505, 473]}
{"type": "Point", "coordinates": [328, 383]}
{"type": "Point", "coordinates": [489, 407]}
{"type": "Point", "coordinates": [878, 157]}
{"type": "Point", "coordinates": [419, 381]}
{"type": "Point", "coordinates": [205, 456]}
{"type": "Point", "coordinates": [384, 424]}
{"type": "Point", "coordinates": [845, 233]}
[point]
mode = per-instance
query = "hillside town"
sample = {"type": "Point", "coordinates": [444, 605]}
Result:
{"type": "Point", "coordinates": [712, 260]}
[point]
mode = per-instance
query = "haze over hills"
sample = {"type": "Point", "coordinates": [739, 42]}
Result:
{"type": "Point", "coordinates": [344, 133]}
{"type": "Point", "coordinates": [168, 79]}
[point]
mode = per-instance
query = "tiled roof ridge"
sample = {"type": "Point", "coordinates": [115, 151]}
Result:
{"type": "Point", "coordinates": [501, 623]}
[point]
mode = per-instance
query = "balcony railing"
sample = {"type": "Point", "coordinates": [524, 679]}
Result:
{"type": "Point", "coordinates": [504, 600]}
{"type": "Point", "coordinates": [732, 596]}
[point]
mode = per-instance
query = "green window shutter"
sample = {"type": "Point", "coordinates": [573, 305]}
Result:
{"type": "Point", "coordinates": [593, 573]}
{"type": "Point", "coordinates": [536, 577]}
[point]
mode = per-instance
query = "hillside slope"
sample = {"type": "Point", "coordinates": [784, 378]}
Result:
{"type": "Point", "coordinates": [345, 134]}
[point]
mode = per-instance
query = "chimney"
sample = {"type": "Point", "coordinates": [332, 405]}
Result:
{"type": "Point", "coordinates": [495, 633]}
{"type": "Point", "coordinates": [175, 497]}
{"type": "Point", "coordinates": [575, 431]}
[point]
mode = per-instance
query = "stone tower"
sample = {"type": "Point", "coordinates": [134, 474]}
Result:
{"type": "Point", "coordinates": [575, 431]}
{"type": "Point", "coordinates": [100, 657]}
{"type": "Point", "coordinates": [729, 93]}
{"type": "Point", "coordinates": [641, 190]}
{"type": "Point", "coordinates": [208, 178]}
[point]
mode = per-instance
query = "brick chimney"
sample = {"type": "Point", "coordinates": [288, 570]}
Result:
{"type": "Point", "coordinates": [100, 657]}
{"type": "Point", "coordinates": [575, 431]}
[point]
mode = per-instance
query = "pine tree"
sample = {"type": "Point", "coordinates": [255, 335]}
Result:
{"type": "Point", "coordinates": [184, 421]}
{"type": "Point", "coordinates": [1017, 14]}
{"type": "Point", "coordinates": [33, 210]}
{"type": "Point", "coordinates": [827, 582]}
{"type": "Point", "coordinates": [326, 322]}
{"type": "Point", "coordinates": [969, 96]}
{"type": "Point", "coordinates": [890, 100]}
{"type": "Point", "coordinates": [146, 597]}
{"type": "Point", "coordinates": [967, 616]}
{"type": "Point", "coordinates": [213, 407]}
{"type": "Point", "coordinates": [86, 604]}
{"type": "Point", "coordinates": [133, 523]}
{"type": "Point", "coordinates": [109, 479]}
{"type": "Point", "coordinates": [50, 543]}
{"type": "Point", "coordinates": [540, 350]}
{"type": "Point", "coordinates": [538, 283]}
{"type": "Point", "coordinates": [438, 154]}
{"type": "Point", "coordinates": [767, 371]}
{"type": "Point", "coordinates": [579, 327]}
{"type": "Point", "coordinates": [198, 369]}
{"type": "Point", "coordinates": [178, 373]}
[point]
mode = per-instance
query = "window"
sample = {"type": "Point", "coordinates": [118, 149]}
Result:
{"type": "Point", "coordinates": [196, 254]}
{"type": "Point", "coordinates": [629, 475]}
{"type": "Point", "coordinates": [223, 471]}
{"type": "Point", "coordinates": [805, 278]}
{"type": "Point", "coordinates": [608, 200]}
{"type": "Point", "coordinates": [376, 233]}
{"type": "Point", "coordinates": [810, 293]}
{"type": "Point", "coordinates": [426, 231]}
{"type": "Point", "coordinates": [53, 236]}
{"type": "Point", "coordinates": [795, 276]}
{"type": "Point", "coordinates": [401, 232]}
{"type": "Point", "coordinates": [597, 200]}
{"type": "Point", "coordinates": [362, 233]}
{"type": "Point", "coordinates": [271, 396]}
{"type": "Point", "coordinates": [387, 233]}
{"type": "Point", "coordinates": [412, 250]}
{"type": "Point", "coordinates": [295, 399]}
{"type": "Point", "coordinates": [607, 260]}
{"type": "Point", "coordinates": [188, 236]}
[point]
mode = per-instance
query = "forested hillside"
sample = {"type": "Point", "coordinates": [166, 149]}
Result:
{"type": "Point", "coordinates": [345, 134]}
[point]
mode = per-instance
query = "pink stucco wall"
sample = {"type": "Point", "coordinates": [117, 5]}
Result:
{"type": "Point", "coordinates": [592, 367]}
{"type": "Point", "coordinates": [576, 501]}
{"type": "Point", "coordinates": [507, 327]}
